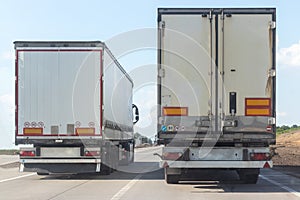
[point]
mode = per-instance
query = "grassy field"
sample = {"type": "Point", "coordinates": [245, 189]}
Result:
{"type": "Point", "coordinates": [9, 151]}
{"type": "Point", "coordinates": [281, 130]}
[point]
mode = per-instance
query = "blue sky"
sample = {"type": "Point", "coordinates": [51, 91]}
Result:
{"type": "Point", "coordinates": [106, 20]}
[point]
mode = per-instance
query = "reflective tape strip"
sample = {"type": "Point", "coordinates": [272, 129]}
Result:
{"type": "Point", "coordinates": [33, 131]}
{"type": "Point", "coordinates": [175, 111]}
{"type": "Point", "coordinates": [258, 102]}
{"type": "Point", "coordinates": [257, 106]}
{"type": "Point", "coordinates": [85, 131]}
{"type": "Point", "coordinates": [258, 112]}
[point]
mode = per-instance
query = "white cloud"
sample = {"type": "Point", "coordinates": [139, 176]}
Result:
{"type": "Point", "coordinates": [7, 105]}
{"type": "Point", "coordinates": [282, 114]}
{"type": "Point", "coordinates": [8, 55]}
{"type": "Point", "coordinates": [145, 98]}
{"type": "Point", "coordinates": [7, 99]}
{"type": "Point", "coordinates": [290, 56]}
{"type": "Point", "coordinates": [7, 121]}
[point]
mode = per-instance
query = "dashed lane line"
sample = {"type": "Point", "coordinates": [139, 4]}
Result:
{"type": "Point", "coordinates": [15, 178]}
{"type": "Point", "coordinates": [281, 186]}
{"type": "Point", "coordinates": [127, 187]}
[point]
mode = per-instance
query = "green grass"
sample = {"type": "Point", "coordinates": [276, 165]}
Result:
{"type": "Point", "coordinates": [280, 130]}
{"type": "Point", "coordinates": [9, 151]}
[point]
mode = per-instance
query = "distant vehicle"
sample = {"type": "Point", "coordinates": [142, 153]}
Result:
{"type": "Point", "coordinates": [74, 104]}
{"type": "Point", "coordinates": [216, 88]}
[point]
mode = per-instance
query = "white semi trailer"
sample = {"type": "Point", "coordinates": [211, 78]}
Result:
{"type": "Point", "coordinates": [216, 90]}
{"type": "Point", "coordinates": [74, 106]}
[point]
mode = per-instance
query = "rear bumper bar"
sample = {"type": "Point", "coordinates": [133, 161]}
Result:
{"type": "Point", "coordinates": [23, 161]}
{"type": "Point", "coordinates": [60, 165]}
{"type": "Point", "coordinates": [62, 141]}
{"type": "Point", "coordinates": [215, 164]}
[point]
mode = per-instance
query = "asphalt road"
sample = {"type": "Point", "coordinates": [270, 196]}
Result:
{"type": "Point", "coordinates": [6, 159]}
{"type": "Point", "coordinates": [144, 180]}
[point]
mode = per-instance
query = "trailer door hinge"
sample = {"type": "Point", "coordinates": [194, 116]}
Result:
{"type": "Point", "coordinates": [272, 73]}
{"type": "Point", "coordinates": [162, 26]}
{"type": "Point", "coordinates": [161, 73]}
{"type": "Point", "coordinates": [210, 15]}
{"type": "Point", "coordinates": [222, 16]}
{"type": "Point", "coordinates": [272, 24]}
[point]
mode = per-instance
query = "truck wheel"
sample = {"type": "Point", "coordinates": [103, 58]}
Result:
{"type": "Point", "coordinates": [132, 153]}
{"type": "Point", "coordinates": [42, 173]}
{"type": "Point", "coordinates": [132, 158]}
{"type": "Point", "coordinates": [172, 179]}
{"type": "Point", "coordinates": [248, 176]}
{"type": "Point", "coordinates": [125, 159]}
{"type": "Point", "coordinates": [115, 158]}
{"type": "Point", "coordinates": [105, 170]}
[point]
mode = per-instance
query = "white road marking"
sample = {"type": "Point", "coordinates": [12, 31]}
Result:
{"type": "Point", "coordinates": [127, 187]}
{"type": "Point", "coordinates": [281, 186]}
{"type": "Point", "coordinates": [7, 163]}
{"type": "Point", "coordinates": [18, 177]}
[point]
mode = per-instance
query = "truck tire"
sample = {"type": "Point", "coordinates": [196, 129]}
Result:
{"type": "Point", "coordinates": [172, 179]}
{"type": "Point", "coordinates": [132, 158]}
{"type": "Point", "coordinates": [115, 158]}
{"type": "Point", "coordinates": [132, 153]}
{"type": "Point", "coordinates": [105, 168]}
{"type": "Point", "coordinates": [248, 176]}
{"type": "Point", "coordinates": [42, 174]}
{"type": "Point", "coordinates": [126, 153]}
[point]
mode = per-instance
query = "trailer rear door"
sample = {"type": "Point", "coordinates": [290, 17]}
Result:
{"type": "Point", "coordinates": [246, 57]}
{"type": "Point", "coordinates": [216, 70]}
{"type": "Point", "coordinates": [186, 63]}
{"type": "Point", "coordinates": [58, 91]}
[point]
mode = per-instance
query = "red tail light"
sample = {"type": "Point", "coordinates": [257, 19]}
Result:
{"type": "Point", "coordinates": [92, 153]}
{"type": "Point", "coordinates": [27, 153]}
{"type": "Point", "coordinates": [260, 156]}
{"type": "Point", "coordinates": [171, 155]}
{"type": "Point", "coordinates": [269, 128]}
